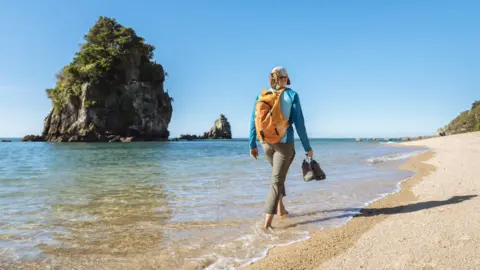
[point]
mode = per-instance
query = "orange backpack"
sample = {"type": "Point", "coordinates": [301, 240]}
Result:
{"type": "Point", "coordinates": [270, 122]}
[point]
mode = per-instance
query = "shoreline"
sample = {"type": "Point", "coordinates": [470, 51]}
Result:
{"type": "Point", "coordinates": [324, 245]}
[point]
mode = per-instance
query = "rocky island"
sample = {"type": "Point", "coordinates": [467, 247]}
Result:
{"type": "Point", "coordinates": [111, 91]}
{"type": "Point", "coordinates": [221, 130]}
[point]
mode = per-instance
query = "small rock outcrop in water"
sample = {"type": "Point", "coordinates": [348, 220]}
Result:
{"type": "Point", "coordinates": [33, 138]}
{"type": "Point", "coordinates": [112, 91]}
{"type": "Point", "coordinates": [190, 137]}
{"type": "Point", "coordinates": [220, 130]}
{"type": "Point", "coordinates": [417, 138]}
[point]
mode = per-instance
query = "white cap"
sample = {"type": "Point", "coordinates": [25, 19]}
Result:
{"type": "Point", "coordinates": [281, 71]}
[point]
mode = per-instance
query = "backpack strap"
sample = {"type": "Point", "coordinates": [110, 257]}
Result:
{"type": "Point", "coordinates": [281, 90]}
{"type": "Point", "coordinates": [290, 119]}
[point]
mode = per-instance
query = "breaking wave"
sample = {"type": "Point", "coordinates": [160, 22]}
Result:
{"type": "Point", "coordinates": [392, 157]}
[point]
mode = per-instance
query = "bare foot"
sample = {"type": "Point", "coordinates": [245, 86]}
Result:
{"type": "Point", "coordinates": [283, 214]}
{"type": "Point", "coordinates": [267, 229]}
{"type": "Point", "coordinates": [268, 221]}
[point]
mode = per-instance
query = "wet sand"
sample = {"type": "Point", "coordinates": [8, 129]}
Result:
{"type": "Point", "coordinates": [432, 223]}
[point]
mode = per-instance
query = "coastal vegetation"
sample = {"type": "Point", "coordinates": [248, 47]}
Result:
{"type": "Point", "coordinates": [466, 121]}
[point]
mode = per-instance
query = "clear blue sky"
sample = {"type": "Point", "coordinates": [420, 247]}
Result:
{"type": "Point", "coordinates": [361, 68]}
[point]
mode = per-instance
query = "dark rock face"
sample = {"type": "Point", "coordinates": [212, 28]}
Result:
{"type": "Point", "coordinates": [138, 109]}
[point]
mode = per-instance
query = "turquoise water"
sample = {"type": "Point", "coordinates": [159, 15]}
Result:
{"type": "Point", "coordinates": [174, 204]}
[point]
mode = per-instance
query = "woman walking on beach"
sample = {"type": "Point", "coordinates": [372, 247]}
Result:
{"type": "Point", "coordinates": [275, 110]}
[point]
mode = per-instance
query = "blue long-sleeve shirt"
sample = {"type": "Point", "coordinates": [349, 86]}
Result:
{"type": "Point", "coordinates": [291, 108]}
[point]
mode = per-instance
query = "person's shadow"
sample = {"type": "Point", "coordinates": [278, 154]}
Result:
{"type": "Point", "coordinates": [368, 212]}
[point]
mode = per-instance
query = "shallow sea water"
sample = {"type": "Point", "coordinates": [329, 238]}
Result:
{"type": "Point", "coordinates": [174, 205]}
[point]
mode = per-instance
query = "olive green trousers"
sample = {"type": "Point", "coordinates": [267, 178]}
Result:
{"type": "Point", "coordinates": [280, 157]}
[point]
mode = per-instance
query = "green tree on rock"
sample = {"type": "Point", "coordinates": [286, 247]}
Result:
{"type": "Point", "coordinates": [99, 60]}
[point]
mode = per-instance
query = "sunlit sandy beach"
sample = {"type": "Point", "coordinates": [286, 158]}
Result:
{"type": "Point", "coordinates": [431, 224]}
